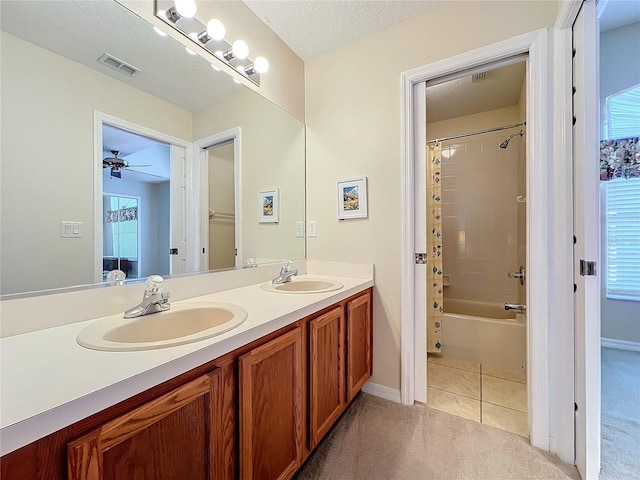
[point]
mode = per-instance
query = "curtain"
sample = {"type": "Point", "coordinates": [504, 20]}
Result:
{"type": "Point", "coordinates": [619, 158]}
{"type": "Point", "coordinates": [434, 249]}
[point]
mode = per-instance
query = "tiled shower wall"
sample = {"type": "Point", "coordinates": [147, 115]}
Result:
{"type": "Point", "coordinates": [480, 217]}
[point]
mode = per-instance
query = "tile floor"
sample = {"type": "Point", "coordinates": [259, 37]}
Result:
{"type": "Point", "coordinates": [478, 392]}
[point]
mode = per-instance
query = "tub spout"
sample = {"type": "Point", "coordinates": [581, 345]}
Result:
{"type": "Point", "coordinates": [518, 307]}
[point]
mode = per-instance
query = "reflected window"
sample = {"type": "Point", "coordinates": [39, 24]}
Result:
{"type": "Point", "coordinates": [121, 235]}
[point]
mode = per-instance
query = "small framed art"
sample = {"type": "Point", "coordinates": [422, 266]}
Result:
{"type": "Point", "coordinates": [352, 198]}
{"type": "Point", "coordinates": [269, 206]}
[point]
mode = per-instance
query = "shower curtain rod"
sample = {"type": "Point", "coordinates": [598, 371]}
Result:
{"type": "Point", "coordinates": [506, 127]}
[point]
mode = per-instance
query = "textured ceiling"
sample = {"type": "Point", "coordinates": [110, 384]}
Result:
{"type": "Point", "coordinates": [312, 27]}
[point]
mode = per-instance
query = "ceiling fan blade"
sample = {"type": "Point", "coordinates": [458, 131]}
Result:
{"type": "Point", "coordinates": [129, 166]}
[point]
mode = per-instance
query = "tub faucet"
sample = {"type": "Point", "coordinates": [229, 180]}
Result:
{"type": "Point", "coordinates": [518, 307]}
{"type": "Point", "coordinates": [286, 272]}
{"type": "Point", "coordinates": [153, 301]}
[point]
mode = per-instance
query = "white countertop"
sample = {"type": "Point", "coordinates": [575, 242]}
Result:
{"type": "Point", "coordinates": [49, 381]}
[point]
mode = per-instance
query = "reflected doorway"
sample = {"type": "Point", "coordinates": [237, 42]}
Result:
{"type": "Point", "coordinates": [136, 185]}
{"type": "Point", "coordinates": [221, 194]}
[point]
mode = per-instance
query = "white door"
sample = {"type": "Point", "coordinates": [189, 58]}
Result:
{"type": "Point", "coordinates": [587, 240]}
{"type": "Point", "coordinates": [178, 246]}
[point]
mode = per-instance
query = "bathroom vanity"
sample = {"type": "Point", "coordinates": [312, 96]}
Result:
{"type": "Point", "coordinates": [255, 409]}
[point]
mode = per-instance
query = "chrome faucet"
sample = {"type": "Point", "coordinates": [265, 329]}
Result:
{"type": "Point", "coordinates": [153, 301]}
{"type": "Point", "coordinates": [518, 307]}
{"type": "Point", "coordinates": [286, 272]}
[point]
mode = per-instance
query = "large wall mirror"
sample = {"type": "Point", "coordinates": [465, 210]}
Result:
{"type": "Point", "coordinates": [123, 150]}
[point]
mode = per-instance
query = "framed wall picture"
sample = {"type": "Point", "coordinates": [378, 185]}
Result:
{"type": "Point", "coordinates": [269, 206]}
{"type": "Point", "coordinates": [352, 198]}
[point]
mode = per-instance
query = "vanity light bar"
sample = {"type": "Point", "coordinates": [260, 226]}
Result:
{"type": "Point", "coordinates": [234, 55]}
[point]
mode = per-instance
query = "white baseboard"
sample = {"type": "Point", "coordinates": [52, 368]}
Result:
{"type": "Point", "coordinates": [381, 391]}
{"type": "Point", "coordinates": [620, 344]}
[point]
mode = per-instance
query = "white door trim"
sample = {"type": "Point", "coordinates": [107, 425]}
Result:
{"type": "Point", "coordinates": [99, 119]}
{"type": "Point", "coordinates": [539, 154]}
{"type": "Point", "coordinates": [561, 331]}
{"type": "Point", "coordinates": [233, 134]}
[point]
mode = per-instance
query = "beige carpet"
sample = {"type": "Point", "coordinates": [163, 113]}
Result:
{"type": "Point", "coordinates": [377, 439]}
{"type": "Point", "coordinates": [620, 415]}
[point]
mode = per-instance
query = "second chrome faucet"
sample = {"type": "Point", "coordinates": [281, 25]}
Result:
{"type": "Point", "coordinates": [286, 272]}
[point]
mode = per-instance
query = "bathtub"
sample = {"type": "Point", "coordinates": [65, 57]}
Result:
{"type": "Point", "coordinates": [484, 333]}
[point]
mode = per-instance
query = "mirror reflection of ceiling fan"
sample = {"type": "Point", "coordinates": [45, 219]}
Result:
{"type": "Point", "coordinates": [118, 164]}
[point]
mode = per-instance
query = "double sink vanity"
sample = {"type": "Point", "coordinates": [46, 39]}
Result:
{"type": "Point", "coordinates": [239, 383]}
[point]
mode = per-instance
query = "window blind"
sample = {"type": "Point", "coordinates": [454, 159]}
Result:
{"type": "Point", "coordinates": [622, 119]}
{"type": "Point", "coordinates": [623, 238]}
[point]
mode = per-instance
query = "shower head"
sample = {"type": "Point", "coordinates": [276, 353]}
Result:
{"type": "Point", "coordinates": [506, 142]}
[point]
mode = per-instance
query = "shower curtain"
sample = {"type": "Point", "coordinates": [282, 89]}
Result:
{"type": "Point", "coordinates": [434, 249]}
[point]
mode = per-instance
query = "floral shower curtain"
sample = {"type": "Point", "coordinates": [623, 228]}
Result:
{"type": "Point", "coordinates": [619, 158]}
{"type": "Point", "coordinates": [434, 249]}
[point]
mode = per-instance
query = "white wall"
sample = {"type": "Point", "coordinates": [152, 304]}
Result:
{"type": "Point", "coordinates": [353, 102]}
{"type": "Point", "coordinates": [619, 70]}
{"type": "Point", "coordinates": [271, 158]}
{"type": "Point", "coordinates": [48, 103]}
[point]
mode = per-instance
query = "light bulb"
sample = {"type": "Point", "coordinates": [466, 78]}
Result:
{"type": "Point", "coordinates": [240, 49]}
{"type": "Point", "coordinates": [186, 8]}
{"type": "Point", "coordinates": [261, 65]}
{"type": "Point", "coordinates": [215, 29]}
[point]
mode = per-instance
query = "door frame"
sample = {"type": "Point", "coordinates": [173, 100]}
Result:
{"type": "Point", "coordinates": [100, 118]}
{"type": "Point", "coordinates": [540, 295]}
{"type": "Point", "coordinates": [231, 135]}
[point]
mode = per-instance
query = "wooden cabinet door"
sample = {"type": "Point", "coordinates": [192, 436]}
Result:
{"type": "Point", "coordinates": [170, 438]}
{"type": "Point", "coordinates": [327, 399]}
{"type": "Point", "coordinates": [358, 344]}
{"type": "Point", "coordinates": [271, 409]}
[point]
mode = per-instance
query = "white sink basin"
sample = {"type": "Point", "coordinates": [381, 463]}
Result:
{"type": "Point", "coordinates": [181, 324]}
{"type": "Point", "coordinates": [303, 285]}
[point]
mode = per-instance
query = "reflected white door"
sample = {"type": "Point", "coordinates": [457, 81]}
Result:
{"type": "Point", "coordinates": [587, 241]}
{"type": "Point", "coordinates": [178, 246]}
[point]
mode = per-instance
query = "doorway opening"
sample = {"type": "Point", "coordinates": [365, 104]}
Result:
{"type": "Point", "coordinates": [218, 185]}
{"type": "Point", "coordinates": [619, 29]}
{"type": "Point", "coordinates": [476, 245]}
{"type": "Point", "coordinates": [136, 198]}
{"type": "Point", "coordinates": [140, 200]}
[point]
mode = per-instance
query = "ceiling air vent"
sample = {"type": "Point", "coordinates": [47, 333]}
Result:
{"type": "Point", "coordinates": [476, 77]}
{"type": "Point", "coordinates": [117, 64]}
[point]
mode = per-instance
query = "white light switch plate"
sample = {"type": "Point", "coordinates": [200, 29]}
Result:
{"type": "Point", "coordinates": [313, 229]}
{"type": "Point", "coordinates": [299, 229]}
{"type": "Point", "coordinates": [70, 229]}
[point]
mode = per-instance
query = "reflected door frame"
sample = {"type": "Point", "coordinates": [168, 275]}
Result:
{"type": "Point", "coordinates": [99, 119]}
{"type": "Point", "coordinates": [201, 220]}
